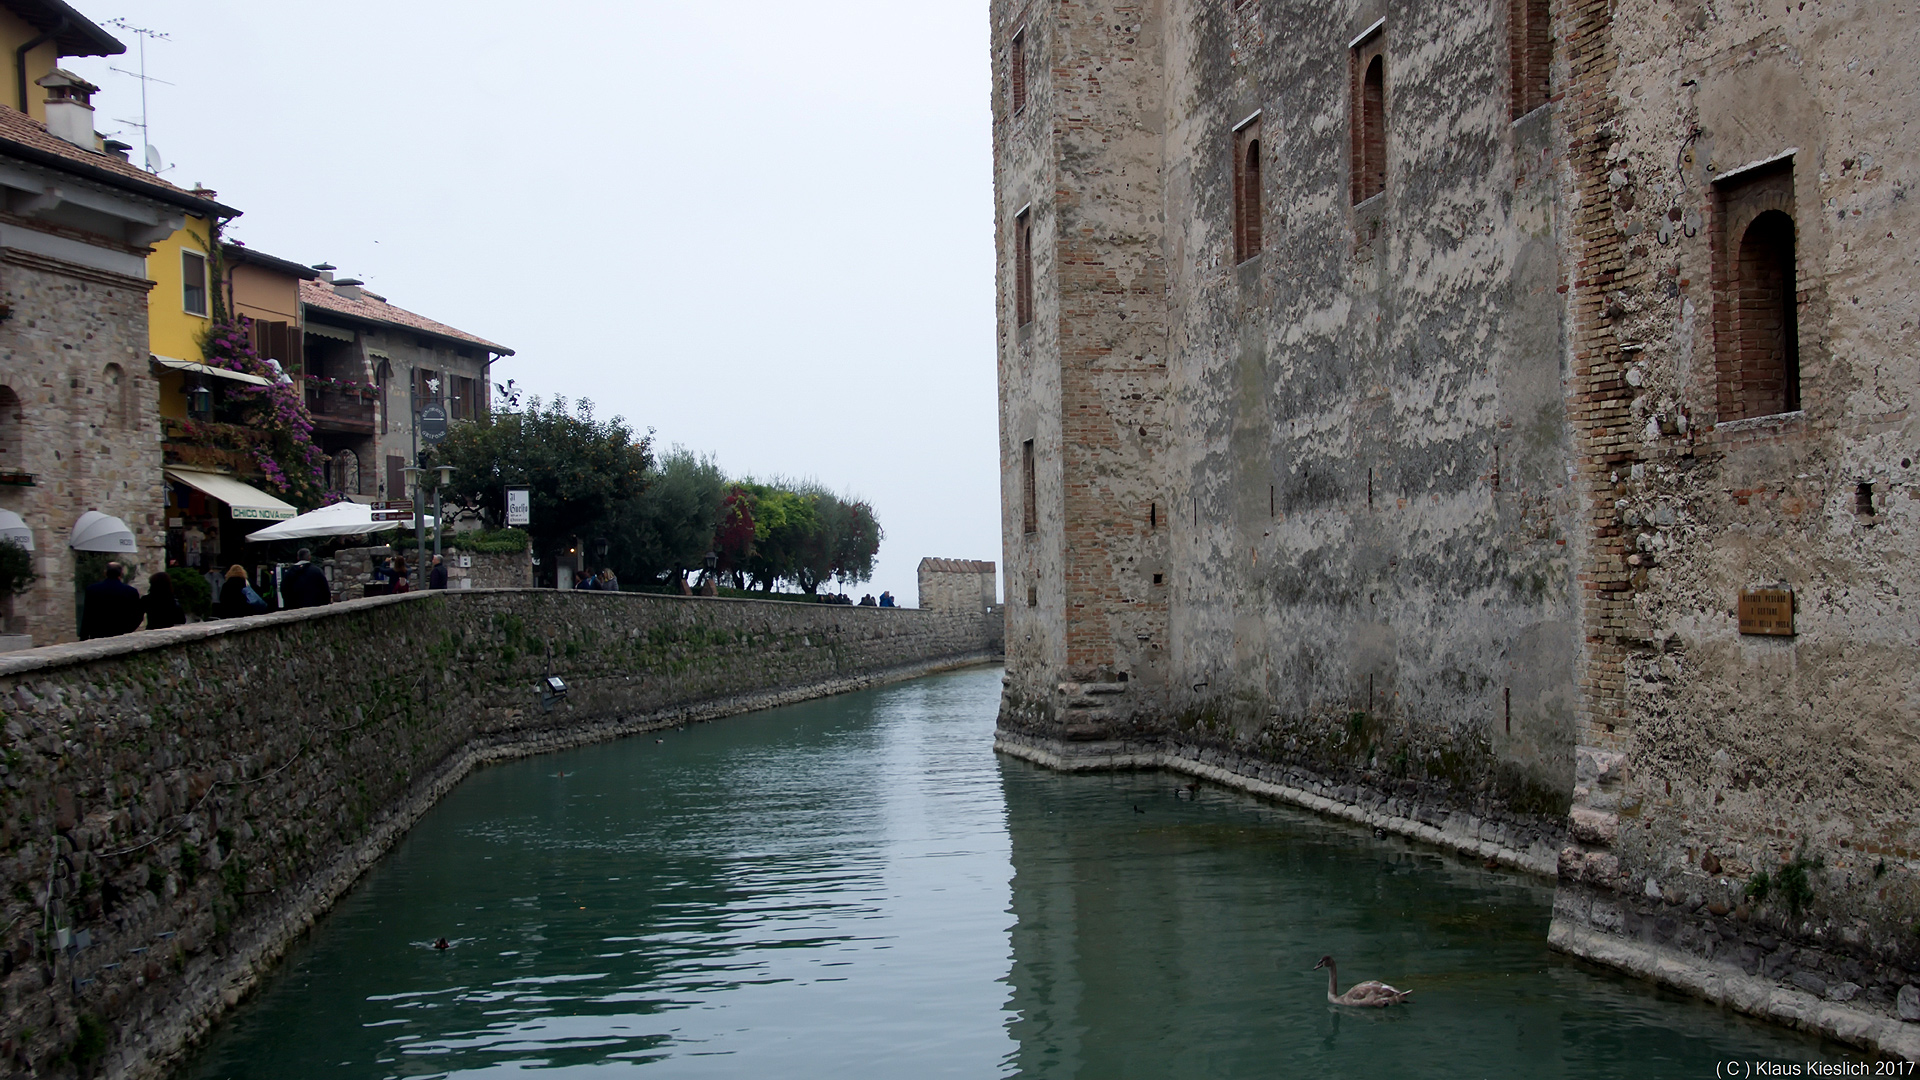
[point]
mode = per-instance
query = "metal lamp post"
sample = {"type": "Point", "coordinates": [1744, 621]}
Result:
{"type": "Point", "coordinates": [443, 477]}
{"type": "Point", "coordinates": [414, 488]}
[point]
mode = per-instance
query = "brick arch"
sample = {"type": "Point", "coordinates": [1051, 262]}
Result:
{"type": "Point", "coordinates": [1763, 309]}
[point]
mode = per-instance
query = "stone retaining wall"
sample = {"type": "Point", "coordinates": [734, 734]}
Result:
{"type": "Point", "coordinates": [179, 805]}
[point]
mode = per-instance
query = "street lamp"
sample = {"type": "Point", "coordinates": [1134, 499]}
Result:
{"type": "Point", "coordinates": [443, 479]}
{"type": "Point", "coordinates": [712, 587]}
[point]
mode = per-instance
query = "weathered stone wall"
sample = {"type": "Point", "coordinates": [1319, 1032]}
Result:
{"type": "Point", "coordinates": [488, 569]}
{"type": "Point", "coordinates": [1313, 505]}
{"type": "Point", "coordinates": [1707, 757]}
{"type": "Point", "coordinates": [1438, 506]}
{"type": "Point", "coordinates": [350, 570]}
{"type": "Point", "coordinates": [73, 355]}
{"type": "Point", "coordinates": [190, 799]}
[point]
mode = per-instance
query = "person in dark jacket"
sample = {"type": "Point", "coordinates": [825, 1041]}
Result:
{"type": "Point", "coordinates": [112, 607]}
{"type": "Point", "coordinates": [233, 595]}
{"type": "Point", "coordinates": [163, 607]}
{"type": "Point", "coordinates": [437, 577]}
{"type": "Point", "coordinates": [306, 585]}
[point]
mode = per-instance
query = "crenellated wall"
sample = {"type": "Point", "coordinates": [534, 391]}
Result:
{"type": "Point", "coordinates": [186, 802]}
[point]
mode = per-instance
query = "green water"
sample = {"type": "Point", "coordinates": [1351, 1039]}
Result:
{"type": "Point", "coordinates": [858, 887]}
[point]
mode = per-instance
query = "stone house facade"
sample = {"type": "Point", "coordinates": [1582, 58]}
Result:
{"type": "Point", "coordinates": [1400, 402]}
{"type": "Point", "coordinates": [371, 366]}
{"type": "Point", "coordinates": [78, 430]}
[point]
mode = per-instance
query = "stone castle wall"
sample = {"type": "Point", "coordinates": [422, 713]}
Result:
{"type": "Point", "coordinates": [1708, 757]}
{"type": "Point", "coordinates": [1312, 506]}
{"type": "Point", "coordinates": [1436, 509]}
{"type": "Point", "coordinates": [73, 355]}
{"type": "Point", "coordinates": [177, 806]}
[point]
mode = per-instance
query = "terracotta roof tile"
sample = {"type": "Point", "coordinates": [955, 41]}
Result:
{"type": "Point", "coordinates": [322, 295]}
{"type": "Point", "coordinates": [25, 132]}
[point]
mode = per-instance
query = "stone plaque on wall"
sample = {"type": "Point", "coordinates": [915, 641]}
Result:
{"type": "Point", "coordinates": [1767, 611]}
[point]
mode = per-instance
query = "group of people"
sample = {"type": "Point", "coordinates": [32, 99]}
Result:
{"type": "Point", "coordinates": [391, 575]}
{"type": "Point", "coordinates": [112, 607]}
{"type": "Point", "coordinates": [886, 600]}
{"type": "Point", "coordinates": [604, 581]}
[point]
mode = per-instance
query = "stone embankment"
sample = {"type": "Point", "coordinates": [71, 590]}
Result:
{"type": "Point", "coordinates": [178, 806]}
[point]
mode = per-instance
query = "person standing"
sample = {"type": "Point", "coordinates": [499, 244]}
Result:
{"type": "Point", "coordinates": [163, 607]}
{"type": "Point", "coordinates": [233, 594]}
{"type": "Point", "coordinates": [111, 607]}
{"type": "Point", "coordinates": [306, 586]}
{"type": "Point", "coordinates": [437, 577]}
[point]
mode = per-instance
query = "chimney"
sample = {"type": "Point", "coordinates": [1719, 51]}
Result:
{"type": "Point", "coordinates": [70, 107]}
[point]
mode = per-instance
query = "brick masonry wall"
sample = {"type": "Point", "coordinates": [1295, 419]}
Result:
{"type": "Point", "coordinates": [90, 444]}
{"type": "Point", "coordinates": [192, 798]}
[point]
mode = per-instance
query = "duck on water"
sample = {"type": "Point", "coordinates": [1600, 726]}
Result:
{"type": "Point", "coordinates": [1370, 994]}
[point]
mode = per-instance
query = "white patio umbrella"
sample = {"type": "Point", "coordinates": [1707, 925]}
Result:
{"type": "Point", "coordinates": [14, 528]}
{"type": "Point", "coordinates": [340, 519]}
{"type": "Point", "coordinates": [96, 531]}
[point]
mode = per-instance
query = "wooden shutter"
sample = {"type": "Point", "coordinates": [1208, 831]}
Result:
{"type": "Point", "coordinates": [396, 476]}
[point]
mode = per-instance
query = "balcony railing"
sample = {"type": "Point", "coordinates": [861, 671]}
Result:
{"type": "Point", "coordinates": [205, 444]}
{"type": "Point", "coordinates": [341, 408]}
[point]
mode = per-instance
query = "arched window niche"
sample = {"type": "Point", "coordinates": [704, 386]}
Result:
{"type": "Point", "coordinates": [1758, 295]}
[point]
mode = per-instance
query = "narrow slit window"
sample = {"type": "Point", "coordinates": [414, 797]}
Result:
{"type": "Point", "coordinates": [1369, 115]}
{"type": "Point", "coordinates": [193, 282]}
{"type": "Point", "coordinates": [1029, 512]}
{"type": "Point", "coordinates": [1017, 72]}
{"type": "Point", "coordinates": [1529, 54]}
{"type": "Point", "coordinates": [1246, 191]}
{"type": "Point", "coordinates": [1023, 268]}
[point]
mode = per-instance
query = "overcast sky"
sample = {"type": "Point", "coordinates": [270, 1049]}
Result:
{"type": "Point", "coordinates": [763, 229]}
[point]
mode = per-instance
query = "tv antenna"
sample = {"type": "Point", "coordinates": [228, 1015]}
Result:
{"type": "Point", "coordinates": [155, 163]}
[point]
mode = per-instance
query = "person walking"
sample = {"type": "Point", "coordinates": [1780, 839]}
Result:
{"type": "Point", "coordinates": [437, 577]}
{"type": "Point", "coordinates": [163, 607]}
{"type": "Point", "coordinates": [111, 606]}
{"type": "Point", "coordinates": [306, 585]}
{"type": "Point", "coordinates": [235, 601]}
{"type": "Point", "coordinates": [400, 581]}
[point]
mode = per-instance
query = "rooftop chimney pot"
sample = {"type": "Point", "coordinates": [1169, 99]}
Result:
{"type": "Point", "coordinates": [70, 107]}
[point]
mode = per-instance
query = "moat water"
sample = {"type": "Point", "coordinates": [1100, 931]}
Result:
{"type": "Point", "coordinates": [859, 887]}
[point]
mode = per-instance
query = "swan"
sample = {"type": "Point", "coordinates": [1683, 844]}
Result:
{"type": "Point", "coordinates": [1370, 993]}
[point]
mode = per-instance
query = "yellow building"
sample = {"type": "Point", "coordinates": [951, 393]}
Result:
{"type": "Point", "coordinates": [180, 307]}
{"type": "Point", "coordinates": [44, 31]}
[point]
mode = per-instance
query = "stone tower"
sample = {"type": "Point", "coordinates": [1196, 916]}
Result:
{"type": "Point", "coordinates": [1490, 421]}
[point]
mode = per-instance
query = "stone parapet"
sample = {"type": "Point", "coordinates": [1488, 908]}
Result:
{"type": "Point", "coordinates": [178, 806]}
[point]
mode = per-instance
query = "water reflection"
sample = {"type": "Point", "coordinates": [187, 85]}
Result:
{"type": "Point", "coordinates": [860, 888]}
{"type": "Point", "coordinates": [1163, 936]}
